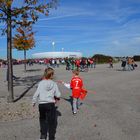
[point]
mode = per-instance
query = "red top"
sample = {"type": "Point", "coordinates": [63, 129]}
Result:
{"type": "Point", "coordinates": [77, 63]}
{"type": "Point", "coordinates": [76, 86]}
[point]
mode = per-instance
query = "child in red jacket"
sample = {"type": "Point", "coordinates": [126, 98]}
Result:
{"type": "Point", "coordinates": [76, 85]}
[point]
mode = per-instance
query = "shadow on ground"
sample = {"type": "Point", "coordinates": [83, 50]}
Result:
{"type": "Point", "coordinates": [33, 70]}
{"type": "Point", "coordinates": [68, 100]}
{"type": "Point", "coordinates": [27, 82]}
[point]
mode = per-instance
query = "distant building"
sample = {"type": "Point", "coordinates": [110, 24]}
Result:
{"type": "Point", "coordinates": [57, 55]}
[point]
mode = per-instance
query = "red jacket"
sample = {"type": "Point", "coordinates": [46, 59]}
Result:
{"type": "Point", "coordinates": [76, 86]}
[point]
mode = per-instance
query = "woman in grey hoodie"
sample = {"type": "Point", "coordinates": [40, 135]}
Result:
{"type": "Point", "coordinates": [46, 95]}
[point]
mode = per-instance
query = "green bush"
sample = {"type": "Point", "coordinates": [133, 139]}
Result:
{"type": "Point", "coordinates": [136, 57]}
{"type": "Point", "coordinates": [100, 58]}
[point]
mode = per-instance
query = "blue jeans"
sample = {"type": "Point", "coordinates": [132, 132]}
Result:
{"type": "Point", "coordinates": [75, 104]}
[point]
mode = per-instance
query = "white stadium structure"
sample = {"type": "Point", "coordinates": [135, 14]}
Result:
{"type": "Point", "coordinates": [57, 55]}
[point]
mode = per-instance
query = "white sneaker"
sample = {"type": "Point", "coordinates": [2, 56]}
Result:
{"type": "Point", "coordinates": [74, 113]}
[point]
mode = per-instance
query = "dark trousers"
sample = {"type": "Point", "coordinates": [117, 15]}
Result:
{"type": "Point", "coordinates": [47, 120]}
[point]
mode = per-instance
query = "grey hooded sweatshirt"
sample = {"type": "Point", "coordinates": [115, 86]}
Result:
{"type": "Point", "coordinates": [46, 91]}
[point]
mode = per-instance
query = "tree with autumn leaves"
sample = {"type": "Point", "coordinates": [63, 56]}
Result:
{"type": "Point", "coordinates": [14, 16]}
{"type": "Point", "coordinates": [24, 40]}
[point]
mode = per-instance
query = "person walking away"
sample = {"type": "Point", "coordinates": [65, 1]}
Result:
{"type": "Point", "coordinates": [72, 64]}
{"type": "Point", "coordinates": [91, 62]}
{"type": "Point", "coordinates": [133, 64]}
{"type": "Point", "coordinates": [110, 63]}
{"type": "Point", "coordinates": [129, 64]}
{"type": "Point", "coordinates": [57, 62]}
{"type": "Point", "coordinates": [76, 85]}
{"type": "Point", "coordinates": [67, 61]}
{"type": "Point", "coordinates": [123, 65]}
{"type": "Point", "coordinates": [46, 95]}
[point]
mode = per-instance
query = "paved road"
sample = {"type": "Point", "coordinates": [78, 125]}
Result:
{"type": "Point", "coordinates": [111, 110]}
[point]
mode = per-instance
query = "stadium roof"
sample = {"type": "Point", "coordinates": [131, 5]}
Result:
{"type": "Point", "coordinates": [57, 55]}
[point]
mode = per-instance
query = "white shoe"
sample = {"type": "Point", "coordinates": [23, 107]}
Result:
{"type": "Point", "coordinates": [74, 113]}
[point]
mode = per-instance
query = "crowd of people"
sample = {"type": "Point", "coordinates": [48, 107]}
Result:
{"type": "Point", "coordinates": [71, 63]}
{"type": "Point", "coordinates": [83, 64]}
{"type": "Point", "coordinates": [128, 63]}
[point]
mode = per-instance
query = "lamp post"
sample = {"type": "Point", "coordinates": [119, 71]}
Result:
{"type": "Point", "coordinates": [62, 49]}
{"type": "Point", "coordinates": [53, 45]}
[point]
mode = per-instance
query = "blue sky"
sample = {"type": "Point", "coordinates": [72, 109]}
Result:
{"type": "Point", "coordinates": [110, 27]}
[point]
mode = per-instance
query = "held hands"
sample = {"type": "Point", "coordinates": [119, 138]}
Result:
{"type": "Point", "coordinates": [67, 85]}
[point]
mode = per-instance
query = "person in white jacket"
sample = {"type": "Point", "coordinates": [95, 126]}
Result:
{"type": "Point", "coordinates": [46, 95]}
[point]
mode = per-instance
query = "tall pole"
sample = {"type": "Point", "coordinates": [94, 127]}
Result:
{"type": "Point", "coordinates": [24, 60]}
{"type": "Point", "coordinates": [10, 96]}
{"type": "Point", "coordinates": [53, 45]}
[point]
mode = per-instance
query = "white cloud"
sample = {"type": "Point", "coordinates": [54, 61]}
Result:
{"type": "Point", "coordinates": [116, 42]}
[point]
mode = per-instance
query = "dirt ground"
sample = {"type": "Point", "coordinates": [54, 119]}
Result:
{"type": "Point", "coordinates": [111, 110]}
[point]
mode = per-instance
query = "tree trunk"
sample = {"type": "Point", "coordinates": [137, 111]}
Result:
{"type": "Point", "coordinates": [25, 60]}
{"type": "Point", "coordinates": [10, 96]}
